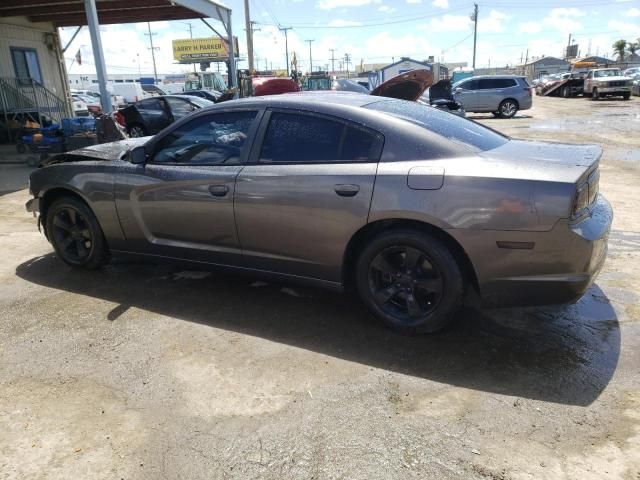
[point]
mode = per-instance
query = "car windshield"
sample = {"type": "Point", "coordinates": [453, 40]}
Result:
{"type": "Point", "coordinates": [462, 131]}
{"type": "Point", "coordinates": [612, 72]}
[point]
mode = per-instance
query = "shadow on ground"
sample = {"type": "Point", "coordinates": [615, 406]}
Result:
{"type": "Point", "coordinates": [564, 355]}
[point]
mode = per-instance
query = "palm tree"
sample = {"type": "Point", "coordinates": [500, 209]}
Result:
{"type": "Point", "coordinates": [619, 47]}
{"type": "Point", "coordinates": [633, 47]}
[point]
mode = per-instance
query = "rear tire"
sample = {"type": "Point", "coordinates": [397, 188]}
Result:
{"type": "Point", "coordinates": [626, 96]}
{"type": "Point", "coordinates": [75, 234]}
{"type": "Point", "coordinates": [410, 281]}
{"type": "Point", "coordinates": [566, 93]}
{"type": "Point", "coordinates": [508, 108]}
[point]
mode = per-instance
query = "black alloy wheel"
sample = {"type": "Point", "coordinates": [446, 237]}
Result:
{"type": "Point", "coordinates": [75, 233]}
{"type": "Point", "coordinates": [410, 281]}
{"type": "Point", "coordinates": [404, 283]}
{"type": "Point", "coordinates": [72, 235]}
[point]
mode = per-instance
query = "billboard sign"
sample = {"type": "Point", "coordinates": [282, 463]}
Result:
{"type": "Point", "coordinates": [197, 50]}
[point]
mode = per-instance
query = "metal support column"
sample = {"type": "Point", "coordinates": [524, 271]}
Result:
{"type": "Point", "coordinates": [232, 81]}
{"type": "Point", "coordinates": [98, 54]}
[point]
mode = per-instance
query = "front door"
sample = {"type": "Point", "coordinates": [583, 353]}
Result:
{"type": "Point", "coordinates": [180, 203]}
{"type": "Point", "coordinates": [305, 192]}
{"type": "Point", "coordinates": [465, 94]}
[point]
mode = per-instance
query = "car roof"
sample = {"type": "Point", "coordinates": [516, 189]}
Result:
{"type": "Point", "coordinates": [496, 76]}
{"type": "Point", "coordinates": [305, 100]}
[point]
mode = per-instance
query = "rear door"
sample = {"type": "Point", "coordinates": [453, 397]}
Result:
{"type": "Point", "coordinates": [180, 203]}
{"type": "Point", "coordinates": [306, 190]}
{"type": "Point", "coordinates": [154, 113]}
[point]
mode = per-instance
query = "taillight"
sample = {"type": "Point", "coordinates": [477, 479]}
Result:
{"type": "Point", "coordinates": [120, 119]}
{"type": "Point", "coordinates": [586, 194]}
{"type": "Point", "coordinates": [581, 200]}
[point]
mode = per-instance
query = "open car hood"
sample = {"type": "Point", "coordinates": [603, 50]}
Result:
{"type": "Point", "coordinates": [440, 90]}
{"type": "Point", "coordinates": [406, 86]}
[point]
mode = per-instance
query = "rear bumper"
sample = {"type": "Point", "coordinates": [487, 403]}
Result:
{"type": "Point", "coordinates": [559, 269]}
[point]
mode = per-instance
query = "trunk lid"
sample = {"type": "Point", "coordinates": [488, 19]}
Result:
{"type": "Point", "coordinates": [547, 161]}
{"type": "Point", "coordinates": [406, 86]}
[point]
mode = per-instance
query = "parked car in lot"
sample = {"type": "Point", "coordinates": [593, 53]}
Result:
{"type": "Point", "coordinates": [607, 82]}
{"type": "Point", "coordinates": [440, 96]}
{"type": "Point", "coordinates": [502, 95]}
{"type": "Point", "coordinates": [283, 186]}
{"type": "Point", "coordinates": [631, 72]}
{"type": "Point", "coordinates": [92, 103]}
{"type": "Point", "coordinates": [635, 86]}
{"type": "Point", "coordinates": [149, 116]}
{"type": "Point", "coordinates": [210, 95]}
{"type": "Point", "coordinates": [80, 108]}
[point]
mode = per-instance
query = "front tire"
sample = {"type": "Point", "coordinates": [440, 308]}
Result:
{"type": "Point", "coordinates": [626, 96]}
{"type": "Point", "coordinates": [595, 95]}
{"type": "Point", "coordinates": [508, 108]}
{"type": "Point", "coordinates": [136, 131]}
{"type": "Point", "coordinates": [75, 234]}
{"type": "Point", "coordinates": [410, 281]}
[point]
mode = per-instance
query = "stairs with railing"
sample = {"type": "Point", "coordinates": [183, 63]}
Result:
{"type": "Point", "coordinates": [25, 98]}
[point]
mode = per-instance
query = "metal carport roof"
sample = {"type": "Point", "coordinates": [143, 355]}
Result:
{"type": "Point", "coordinates": [64, 13]}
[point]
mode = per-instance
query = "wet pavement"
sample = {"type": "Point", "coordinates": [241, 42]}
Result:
{"type": "Point", "coordinates": [153, 372]}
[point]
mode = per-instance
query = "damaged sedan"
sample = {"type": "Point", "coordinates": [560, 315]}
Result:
{"type": "Point", "coordinates": [409, 206]}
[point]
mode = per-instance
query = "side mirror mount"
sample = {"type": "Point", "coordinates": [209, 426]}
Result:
{"type": "Point", "coordinates": [137, 155]}
{"type": "Point", "coordinates": [457, 90]}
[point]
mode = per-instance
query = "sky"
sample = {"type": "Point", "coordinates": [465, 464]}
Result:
{"type": "Point", "coordinates": [379, 31]}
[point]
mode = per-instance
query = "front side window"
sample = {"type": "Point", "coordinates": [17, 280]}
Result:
{"type": "Point", "coordinates": [216, 139]}
{"type": "Point", "coordinates": [300, 138]}
{"type": "Point", "coordinates": [25, 64]}
{"type": "Point", "coordinates": [467, 85]}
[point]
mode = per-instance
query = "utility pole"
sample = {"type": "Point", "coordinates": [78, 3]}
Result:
{"type": "Point", "coordinates": [254, 29]}
{"type": "Point", "coordinates": [347, 61]}
{"type": "Point", "coordinates": [153, 51]}
{"type": "Point", "coordinates": [333, 59]}
{"type": "Point", "coordinates": [248, 26]}
{"type": "Point", "coordinates": [475, 31]}
{"type": "Point", "coordinates": [566, 53]}
{"type": "Point", "coordinates": [286, 44]}
{"type": "Point", "coordinates": [310, 58]}
{"type": "Point", "coordinates": [191, 36]}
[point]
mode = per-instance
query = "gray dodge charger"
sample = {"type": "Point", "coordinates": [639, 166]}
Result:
{"type": "Point", "coordinates": [409, 206]}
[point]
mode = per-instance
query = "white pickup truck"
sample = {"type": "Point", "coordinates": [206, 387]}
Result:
{"type": "Point", "coordinates": [607, 82]}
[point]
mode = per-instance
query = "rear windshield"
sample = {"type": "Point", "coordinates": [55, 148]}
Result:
{"type": "Point", "coordinates": [464, 132]}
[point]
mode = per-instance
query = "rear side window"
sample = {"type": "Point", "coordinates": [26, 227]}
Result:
{"type": "Point", "coordinates": [461, 131]}
{"type": "Point", "coordinates": [492, 83]}
{"type": "Point", "coordinates": [300, 138]}
{"type": "Point", "coordinates": [149, 104]}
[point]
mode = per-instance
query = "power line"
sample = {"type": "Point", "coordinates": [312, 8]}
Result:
{"type": "Point", "coordinates": [414, 18]}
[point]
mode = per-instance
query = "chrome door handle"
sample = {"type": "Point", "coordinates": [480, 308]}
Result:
{"type": "Point", "coordinates": [218, 190]}
{"type": "Point", "coordinates": [347, 190]}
